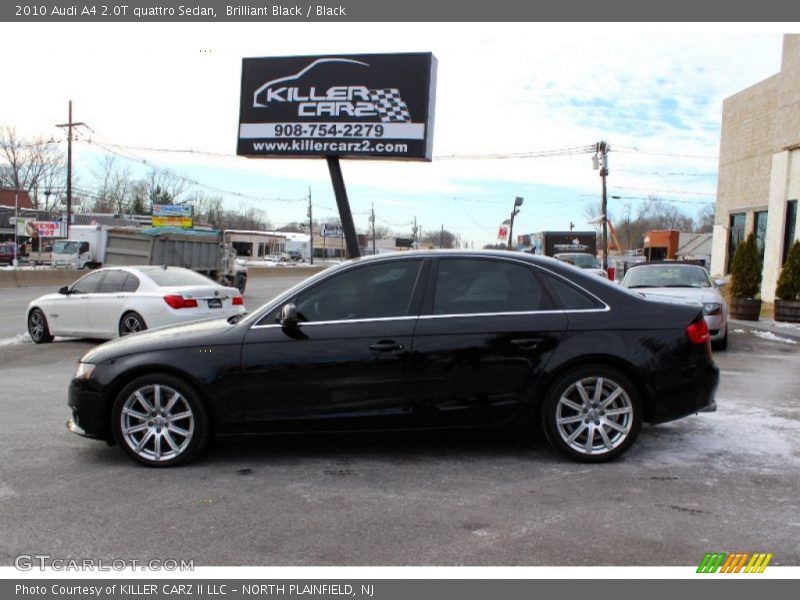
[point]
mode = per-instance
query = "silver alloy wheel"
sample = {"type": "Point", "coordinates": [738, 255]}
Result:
{"type": "Point", "coordinates": [157, 422]}
{"type": "Point", "coordinates": [36, 325]}
{"type": "Point", "coordinates": [131, 324]}
{"type": "Point", "coordinates": [594, 415]}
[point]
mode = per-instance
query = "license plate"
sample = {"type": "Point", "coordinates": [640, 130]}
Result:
{"type": "Point", "coordinates": [215, 303]}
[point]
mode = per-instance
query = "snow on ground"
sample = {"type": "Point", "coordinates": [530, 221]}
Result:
{"type": "Point", "coordinates": [21, 338]}
{"type": "Point", "coordinates": [781, 324]}
{"type": "Point", "coordinates": [768, 335]}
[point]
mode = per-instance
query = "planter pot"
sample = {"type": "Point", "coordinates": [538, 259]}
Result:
{"type": "Point", "coordinates": [787, 310]}
{"type": "Point", "coordinates": [745, 309]}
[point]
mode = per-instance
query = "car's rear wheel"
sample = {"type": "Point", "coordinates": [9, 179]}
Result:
{"type": "Point", "coordinates": [38, 328]}
{"type": "Point", "coordinates": [131, 322]}
{"type": "Point", "coordinates": [722, 344]}
{"type": "Point", "coordinates": [592, 414]}
{"type": "Point", "coordinates": [160, 421]}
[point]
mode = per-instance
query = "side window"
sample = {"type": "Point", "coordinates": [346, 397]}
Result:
{"type": "Point", "coordinates": [112, 282]}
{"type": "Point", "coordinates": [88, 284]}
{"type": "Point", "coordinates": [569, 297]}
{"type": "Point", "coordinates": [84, 247]}
{"type": "Point", "coordinates": [366, 292]}
{"type": "Point", "coordinates": [131, 283]}
{"type": "Point", "coordinates": [469, 285]}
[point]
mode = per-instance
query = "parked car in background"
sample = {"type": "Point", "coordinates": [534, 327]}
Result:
{"type": "Point", "coordinates": [582, 260]}
{"type": "Point", "coordinates": [7, 253]}
{"type": "Point", "coordinates": [687, 282]}
{"type": "Point", "coordinates": [116, 301]}
{"type": "Point", "coordinates": [411, 340]}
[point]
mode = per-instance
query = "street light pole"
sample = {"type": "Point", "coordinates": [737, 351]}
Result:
{"type": "Point", "coordinates": [514, 212]}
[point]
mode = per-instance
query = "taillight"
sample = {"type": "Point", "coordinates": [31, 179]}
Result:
{"type": "Point", "coordinates": [177, 301]}
{"type": "Point", "coordinates": [238, 301]}
{"type": "Point", "coordinates": [698, 332]}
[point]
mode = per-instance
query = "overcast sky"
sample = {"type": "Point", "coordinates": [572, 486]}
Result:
{"type": "Point", "coordinates": [653, 92]}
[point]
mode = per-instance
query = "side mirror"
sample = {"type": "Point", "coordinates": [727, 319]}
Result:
{"type": "Point", "coordinates": [289, 315]}
{"type": "Point", "coordinates": [720, 282]}
{"type": "Point", "coordinates": [63, 290]}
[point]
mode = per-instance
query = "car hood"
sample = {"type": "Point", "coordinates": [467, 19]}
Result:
{"type": "Point", "coordinates": [173, 337]}
{"type": "Point", "coordinates": [699, 295]}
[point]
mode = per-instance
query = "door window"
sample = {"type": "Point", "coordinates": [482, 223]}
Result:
{"type": "Point", "coordinates": [468, 285]}
{"type": "Point", "coordinates": [366, 292]}
{"type": "Point", "coordinates": [113, 282]}
{"type": "Point", "coordinates": [88, 284]}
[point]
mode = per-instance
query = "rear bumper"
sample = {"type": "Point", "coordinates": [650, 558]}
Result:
{"type": "Point", "coordinates": [689, 391]}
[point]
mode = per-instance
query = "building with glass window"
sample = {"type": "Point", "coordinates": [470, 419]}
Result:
{"type": "Point", "coordinates": [759, 169]}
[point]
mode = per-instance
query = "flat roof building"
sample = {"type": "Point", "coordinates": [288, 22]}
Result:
{"type": "Point", "coordinates": [759, 170]}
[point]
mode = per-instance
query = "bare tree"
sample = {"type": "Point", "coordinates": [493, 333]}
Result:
{"type": "Point", "coordinates": [114, 187]}
{"type": "Point", "coordinates": [34, 165]}
{"type": "Point", "coordinates": [438, 238]}
{"type": "Point", "coordinates": [704, 220]}
{"type": "Point", "coordinates": [162, 186]}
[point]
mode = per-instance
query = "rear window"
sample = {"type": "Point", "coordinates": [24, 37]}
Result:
{"type": "Point", "coordinates": [172, 276]}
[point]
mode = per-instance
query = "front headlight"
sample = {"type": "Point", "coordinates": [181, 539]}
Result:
{"type": "Point", "coordinates": [84, 371]}
{"type": "Point", "coordinates": [712, 308]}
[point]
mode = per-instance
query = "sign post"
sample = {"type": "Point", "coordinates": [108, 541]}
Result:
{"type": "Point", "coordinates": [352, 106]}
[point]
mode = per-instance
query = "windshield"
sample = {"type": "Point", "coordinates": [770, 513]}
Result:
{"type": "Point", "coordinates": [65, 247]}
{"type": "Point", "coordinates": [584, 261]}
{"type": "Point", "coordinates": [667, 276]}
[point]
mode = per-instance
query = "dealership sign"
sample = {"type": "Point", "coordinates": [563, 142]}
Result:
{"type": "Point", "coordinates": [172, 215]}
{"type": "Point", "coordinates": [372, 105]}
{"type": "Point", "coordinates": [331, 231]}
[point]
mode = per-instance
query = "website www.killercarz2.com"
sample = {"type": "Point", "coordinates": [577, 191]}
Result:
{"type": "Point", "coordinates": [365, 146]}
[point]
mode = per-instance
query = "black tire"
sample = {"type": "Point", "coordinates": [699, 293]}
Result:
{"type": "Point", "coordinates": [38, 328]}
{"type": "Point", "coordinates": [721, 345]}
{"type": "Point", "coordinates": [579, 426]}
{"type": "Point", "coordinates": [240, 282]}
{"type": "Point", "coordinates": [131, 322]}
{"type": "Point", "coordinates": [169, 428]}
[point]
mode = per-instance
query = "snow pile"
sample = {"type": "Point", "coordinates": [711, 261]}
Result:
{"type": "Point", "coordinates": [20, 338]}
{"type": "Point", "coordinates": [768, 335]}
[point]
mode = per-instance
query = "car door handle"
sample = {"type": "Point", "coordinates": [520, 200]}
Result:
{"type": "Point", "coordinates": [527, 343]}
{"type": "Point", "coordinates": [386, 346]}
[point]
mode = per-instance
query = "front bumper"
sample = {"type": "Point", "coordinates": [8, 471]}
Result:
{"type": "Point", "coordinates": [89, 415]}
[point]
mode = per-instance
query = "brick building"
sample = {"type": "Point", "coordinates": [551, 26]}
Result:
{"type": "Point", "coordinates": [759, 169]}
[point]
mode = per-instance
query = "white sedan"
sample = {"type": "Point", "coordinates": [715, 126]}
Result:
{"type": "Point", "coordinates": [116, 301]}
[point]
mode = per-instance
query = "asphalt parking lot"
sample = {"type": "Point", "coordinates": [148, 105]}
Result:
{"type": "Point", "coordinates": [724, 481]}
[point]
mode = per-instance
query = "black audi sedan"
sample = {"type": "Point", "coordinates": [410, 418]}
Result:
{"type": "Point", "coordinates": [412, 340]}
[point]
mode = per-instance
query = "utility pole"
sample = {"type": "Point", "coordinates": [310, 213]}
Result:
{"type": "Point", "coordinates": [514, 212]}
{"type": "Point", "coordinates": [441, 238]}
{"type": "Point", "coordinates": [600, 161]}
{"type": "Point", "coordinates": [415, 242]}
{"type": "Point", "coordinates": [69, 125]}
{"type": "Point", "coordinates": [310, 229]}
{"type": "Point", "coordinates": [16, 226]}
{"type": "Point", "coordinates": [571, 225]}
{"type": "Point", "coordinates": [372, 220]}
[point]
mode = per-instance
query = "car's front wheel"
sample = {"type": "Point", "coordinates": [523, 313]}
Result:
{"type": "Point", "coordinates": [592, 414]}
{"type": "Point", "coordinates": [160, 421]}
{"type": "Point", "coordinates": [131, 322]}
{"type": "Point", "coordinates": [38, 328]}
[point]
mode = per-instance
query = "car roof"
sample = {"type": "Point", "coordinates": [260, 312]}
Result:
{"type": "Point", "coordinates": [666, 263]}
